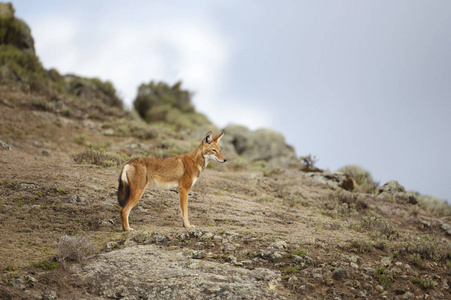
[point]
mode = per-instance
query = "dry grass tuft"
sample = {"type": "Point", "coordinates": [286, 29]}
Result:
{"type": "Point", "coordinates": [74, 248]}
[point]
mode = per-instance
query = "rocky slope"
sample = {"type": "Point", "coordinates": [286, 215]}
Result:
{"type": "Point", "coordinates": [262, 231]}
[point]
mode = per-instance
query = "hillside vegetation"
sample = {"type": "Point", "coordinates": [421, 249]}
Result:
{"type": "Point", "coordinates": [269, 225]}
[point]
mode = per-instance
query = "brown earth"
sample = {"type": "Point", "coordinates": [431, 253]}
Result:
{"type": "Point", "coordinates": [45, 194]}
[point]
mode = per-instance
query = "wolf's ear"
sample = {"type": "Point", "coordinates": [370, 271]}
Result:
{"type": "Point", "coordinates": [207, 138]}
{"type": "Point", "coordinates": [218, 138]}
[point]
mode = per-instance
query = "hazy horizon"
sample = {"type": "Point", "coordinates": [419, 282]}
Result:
{"type": "Point", "coordinates": [351, 82]}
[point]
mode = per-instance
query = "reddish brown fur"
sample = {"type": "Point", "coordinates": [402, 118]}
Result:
{"type": "Point", "coordinates": [181, 171]}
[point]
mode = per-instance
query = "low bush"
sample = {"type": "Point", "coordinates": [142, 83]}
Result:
{"type": "Point", "coordinates": [99, 157]}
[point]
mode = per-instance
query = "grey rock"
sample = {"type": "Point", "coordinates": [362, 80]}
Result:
{"type": "Point", "coordinates": [194, 233]}
{"type": "Point", "coordinates": [7, 103]}
{"type": "Point", "coordinates": [276, 256]}
{"type": "Point", "coordinates": [231, 259]}
{"type": "Point", "coordinates": [76, 199]}
{"type": "Point", "coordinates": [379, 288]}
{"type": "Point", "coordinates": [109, 132]}
{"type": "Point", "coordinates": [408, 295]}
{"type": "Point", "coordinates": [302, 260]}
{"type": "Point", "coordinates": [198, 254]}
{"type": "Point", "coordinates": [19, 284]}
{"type": "Point", "coordinates": [279, 245]}
{"type": "Point", "coordinates": [354, 265]}
{"type": "Point", "coordinates": [46, 152]}
{"type": "Point", "coordinates": [445, 283]}
{"type": "Point", "coordinates": [229, 247]}
{"type": "Point", "coordinates": [391, 187]}
{"type": "Point", "coordinates": [5, 146]}
{"type": "Point", "coordinates": [386, 261]}
{"type": "Point", "coordinates": [339, 273]}
{"type": "Point", "coordinates": [332, 179]}
{"type": "Point", "coordinates": [27, 186]}
{"type": "Point", "coordinates": [170, 275]}
{"type": "Point", "coordinates": [447, 228]}
{"type": "Point", "coordinates": [206, 236]}
{"type": "Point", "coordinates": [49, 295]}
{"type": "Point", "coordinates": [260, 145]}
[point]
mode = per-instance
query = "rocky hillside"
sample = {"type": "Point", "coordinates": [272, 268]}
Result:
{"type": "Point", "coordinates": [264, 229]}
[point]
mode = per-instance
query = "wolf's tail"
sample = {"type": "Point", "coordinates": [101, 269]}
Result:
{"type": "Point", "coordinates": [123, 191]}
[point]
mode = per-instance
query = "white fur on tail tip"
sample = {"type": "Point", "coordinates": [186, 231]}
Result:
{"type": "Point", "coordinates": [124, 175]}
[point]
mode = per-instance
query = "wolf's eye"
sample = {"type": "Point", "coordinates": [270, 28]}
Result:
{"type": "Point", "coordinates": [214, 150]}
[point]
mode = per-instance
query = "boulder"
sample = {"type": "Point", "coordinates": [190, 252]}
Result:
{"type": "Point", "coordinates": [333, 179]}
{"type": "Point", "coordinates": [260, 145]}
{"type": "Point", "coordinates": [395, 190]}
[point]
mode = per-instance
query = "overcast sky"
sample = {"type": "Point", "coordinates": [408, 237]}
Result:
{"type": "Point", "coordinates": [352, 82]}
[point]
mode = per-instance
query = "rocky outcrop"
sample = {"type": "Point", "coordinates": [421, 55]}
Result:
{"type": "Point", "coordinates": [148, 272]}
{"type": "Point", "coordinates": [395, 190]}
{"type": "Point", "coordinates": [91, 89]}
{"type": "Point", "coordinates": [333, 179]}
{"type": "Point", "coordinates": [262, 144]}
{"type": "Point", "coordinates": [14, 31]}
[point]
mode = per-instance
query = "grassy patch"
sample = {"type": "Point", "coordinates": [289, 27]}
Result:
{"type": "Point", "coordinates": [425, 283]}
{"type": "Point", "coordinates": [383, 278]}
{"type": "Point", "coordinates": [427, 246]}
{"type": "Point", "coordinates": [291, 270]}
{"type": "Point", "coordinates": [47, 265]}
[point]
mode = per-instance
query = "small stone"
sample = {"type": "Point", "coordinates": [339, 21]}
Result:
{"type": "Point", "coordinates": [229, 247]}
{"type": "Point", "coordinates": [349, 284]}
{"type": "Point", "coordinates": [339, 273]}
{"type": "Point", "coordinates": [109, 132]}
{"type": "Point", "coordinates": [198, 254]}
{"type": "Point", "coordinates": [445, 283]}
{"type": "Point", "coordinates": [447, 228]}
{"type": "Point", "coordinates": [379, 288]}
{"type": "Point", "coordinates": [194, 233]}
{"type": "Point", "coordinates": [49, 295]}
{"type": "Point", "coordinates": [317, 276]}
{"type": "Point", "coordinates": [232, 259]}
{"type": "Point", "coordinates": [5, 146]}
{"type": "Point", "coordinates": [206, 236]}
{"type": "Point", "coordinates": [111, 221]}
{"type": "Point", "coordinates": [408, 295]}
{"type": "Point", "coordinates": [354, 265]}
{"type": "Point", "coordinates": [19, 284]}
{"type": "Point", "coordinates": [276, 256]}
{"type": "Point", "coordinates": [27, 186]}
{"type": "Point", "coordinates": [279, 245]}
{"type": "Point", "coordinates": [46, 152]}
{"type": "Point", "coordinates": [217, 238]}
{"type": "Point", "coordinates": [386, 261]}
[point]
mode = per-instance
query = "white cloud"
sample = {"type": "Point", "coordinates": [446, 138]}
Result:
{"type": "Point", "coordinates": [193, 52]}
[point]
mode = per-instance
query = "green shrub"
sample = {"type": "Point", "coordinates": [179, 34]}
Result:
{"type": "Point", "coordinates": [375, 222]}
{"type": "Point", "coordinates": [47, 265]}
{"type": "Point", "coordinates": [427, 246]}
{"type": "Point", "coordinates": [160, 102]}
{"type": "Point", "coordinates": [425, 283]}
{"type": "Point", "coordinates": [362, 178]}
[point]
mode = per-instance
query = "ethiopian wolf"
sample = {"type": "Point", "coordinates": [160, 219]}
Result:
{"type": "Point", "coordinates": [179, 172]}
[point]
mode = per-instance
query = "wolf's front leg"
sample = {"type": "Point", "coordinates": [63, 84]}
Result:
{"type": "Point", "coordinates": [184, 206]}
